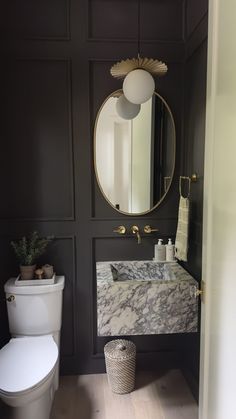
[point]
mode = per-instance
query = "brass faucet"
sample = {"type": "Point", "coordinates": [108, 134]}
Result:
{"type": "Point", "coordinates": [148, 229]}
{"type": "Point", "coordinates": [120, 230]}
{"type": "Point", "coordinates": [135, 230]}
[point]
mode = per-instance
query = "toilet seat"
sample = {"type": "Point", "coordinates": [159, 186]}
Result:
{"type": "Point", "coordinates": [25, 362]}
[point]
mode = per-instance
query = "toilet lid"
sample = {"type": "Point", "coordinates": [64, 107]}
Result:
{"type": "Point", "coordinates": [26, 361]}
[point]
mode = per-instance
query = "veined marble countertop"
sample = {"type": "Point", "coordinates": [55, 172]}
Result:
{"type": "Point", "coordinates": [145, 297]}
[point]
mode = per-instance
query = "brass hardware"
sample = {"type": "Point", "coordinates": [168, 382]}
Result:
{"type": "Point", "coordinates": [200, 292]}
{"type": "Point", "coordinates": [148, 229]}
{"type": "Point", "coordinates": [154, 67]}
{"type": "Point", "coordinates": [10, 298]}
{"type": "Point", "coordinates": [120, 230]}
{"type": "Point", "coordinates": [194, 177]}
{"type": "Point", "coordinates": [135, 230]}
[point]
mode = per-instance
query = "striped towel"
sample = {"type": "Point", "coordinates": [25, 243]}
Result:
{"type": "Point", "coordinates": [181, 241]}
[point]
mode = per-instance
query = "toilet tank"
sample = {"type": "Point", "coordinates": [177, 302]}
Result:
{"type": "Point", "coordinates": [34, 309]}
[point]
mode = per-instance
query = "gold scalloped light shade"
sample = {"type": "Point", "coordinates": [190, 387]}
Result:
{"type": "Point", "coordinates": [117, 93]}
{"type": "Point", "coordinates": [154, 67]}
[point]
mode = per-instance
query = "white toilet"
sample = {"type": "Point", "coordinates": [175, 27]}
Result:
{"type": "Point", "coordinates": [29, 363]}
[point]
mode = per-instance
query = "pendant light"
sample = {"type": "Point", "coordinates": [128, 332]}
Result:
{"type": "Point", "coordinates": [138, 85]}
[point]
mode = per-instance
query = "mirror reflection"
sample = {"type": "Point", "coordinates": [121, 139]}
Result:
{"type": "Point", "coordinates": [135, 158]}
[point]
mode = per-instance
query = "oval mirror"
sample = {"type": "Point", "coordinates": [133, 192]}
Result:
{"type": "Point", "coordinates": [134, 159]}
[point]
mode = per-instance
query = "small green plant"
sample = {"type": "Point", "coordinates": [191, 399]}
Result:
{"type": "Point", "coordinates": [28, 250]}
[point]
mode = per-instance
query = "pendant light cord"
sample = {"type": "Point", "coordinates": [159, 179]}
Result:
{"type": "Point", "coordinates": [138, 28]}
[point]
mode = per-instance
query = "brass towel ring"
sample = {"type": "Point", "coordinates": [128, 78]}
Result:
{"type": "Point", "coordinates": [191, 179]}
{"type": "Point", "coordinates": [180, 186]}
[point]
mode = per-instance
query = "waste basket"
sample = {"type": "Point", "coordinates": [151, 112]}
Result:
{"type": "Point", "coordinates": [120, 357]}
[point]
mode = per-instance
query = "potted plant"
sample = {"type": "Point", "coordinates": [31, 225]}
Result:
{"type": "Point", "coordinates": [27, 251]}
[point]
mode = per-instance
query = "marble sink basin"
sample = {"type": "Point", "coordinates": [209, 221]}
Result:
{"type": "Point", "coordinates": [144, 298]}
{"type": "Point", "coordinates": [142, 271]}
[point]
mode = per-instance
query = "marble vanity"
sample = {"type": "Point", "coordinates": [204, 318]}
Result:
{"type": "Point", "coordinates": [145, 297]}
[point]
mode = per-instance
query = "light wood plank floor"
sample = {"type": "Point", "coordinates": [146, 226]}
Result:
{"type": "Point", "coordinates": [165, 396]}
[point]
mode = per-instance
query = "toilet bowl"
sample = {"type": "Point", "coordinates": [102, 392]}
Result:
{"type": "Point", "coordinates": [29, 363]}
{"type": "Point", "coordinates": [27, 371]}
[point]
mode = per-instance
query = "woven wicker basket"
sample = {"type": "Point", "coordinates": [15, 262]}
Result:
{"type": "Point", "coordinates": [120, 356]}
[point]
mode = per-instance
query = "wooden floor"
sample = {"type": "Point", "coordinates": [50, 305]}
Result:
{"type": "Point", "coordinates": [165, 396]}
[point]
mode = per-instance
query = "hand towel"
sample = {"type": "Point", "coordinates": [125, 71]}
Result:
{"type": "Point", "coordinates": [181, 241]}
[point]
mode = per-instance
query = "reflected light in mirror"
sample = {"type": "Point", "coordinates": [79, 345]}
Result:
{"type": "Point", "coordinates": [126, 109]}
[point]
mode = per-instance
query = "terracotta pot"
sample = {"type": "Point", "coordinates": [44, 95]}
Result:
{"type": "Point", "coordinates": [27, 272]}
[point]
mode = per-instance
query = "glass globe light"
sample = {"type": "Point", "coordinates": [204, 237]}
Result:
{"type": "Point", "coordinates": [138, 86]}
{"type": "Point", "coordinates": [126, 109]}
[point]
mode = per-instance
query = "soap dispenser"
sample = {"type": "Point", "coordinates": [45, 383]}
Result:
{"type": "Point", "coordinates": [170, 251]}
{"type": "Point", "coordinates": [160, 251]}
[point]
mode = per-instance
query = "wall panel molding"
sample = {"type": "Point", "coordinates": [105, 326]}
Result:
{"type": "Point", "coordinates": [40, 21]}
{"type": "Point", "coordinates": [21, 82]}
{"type": "Point", "coordinates": [117, 20]}
{"type": "Point", "coordinates": [71, 293]}
{"type": "Point", "coordinates": [197, 37]}
{"type": "Point", "coordinates": [103, 50]}
{"type": "Point", "coordinates": [195, 12]}
{"type": "Point", "coordinates": [133, 218]}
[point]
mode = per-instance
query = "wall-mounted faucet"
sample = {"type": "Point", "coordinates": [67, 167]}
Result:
{"type": "Point", "coordinates": [120, 230]}
{"type": "Point", "coordinates": [148, 229]}
{"type": "Point", "coordinates": [135, 230]}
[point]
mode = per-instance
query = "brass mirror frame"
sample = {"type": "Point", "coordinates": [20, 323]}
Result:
{"type": "Point", "coordinates": [117, 93]}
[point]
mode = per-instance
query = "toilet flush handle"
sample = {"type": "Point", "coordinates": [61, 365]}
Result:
{"type": "Point", "coordinates": [10, 298]}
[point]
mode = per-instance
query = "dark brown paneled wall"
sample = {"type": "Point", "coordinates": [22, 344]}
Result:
{"type": "Point", "coordinates": [195, 14]}
{"type": "Point", "coordinates": [38, 150]}
{"type": "Point", "coordinates": [194, 142]}
{"type": "Point", "coordinates": [194, 123]}
{"type": "Point", "coordinates": [57, 59]}
{"type": "Point", "coordinates": [195, 96]}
